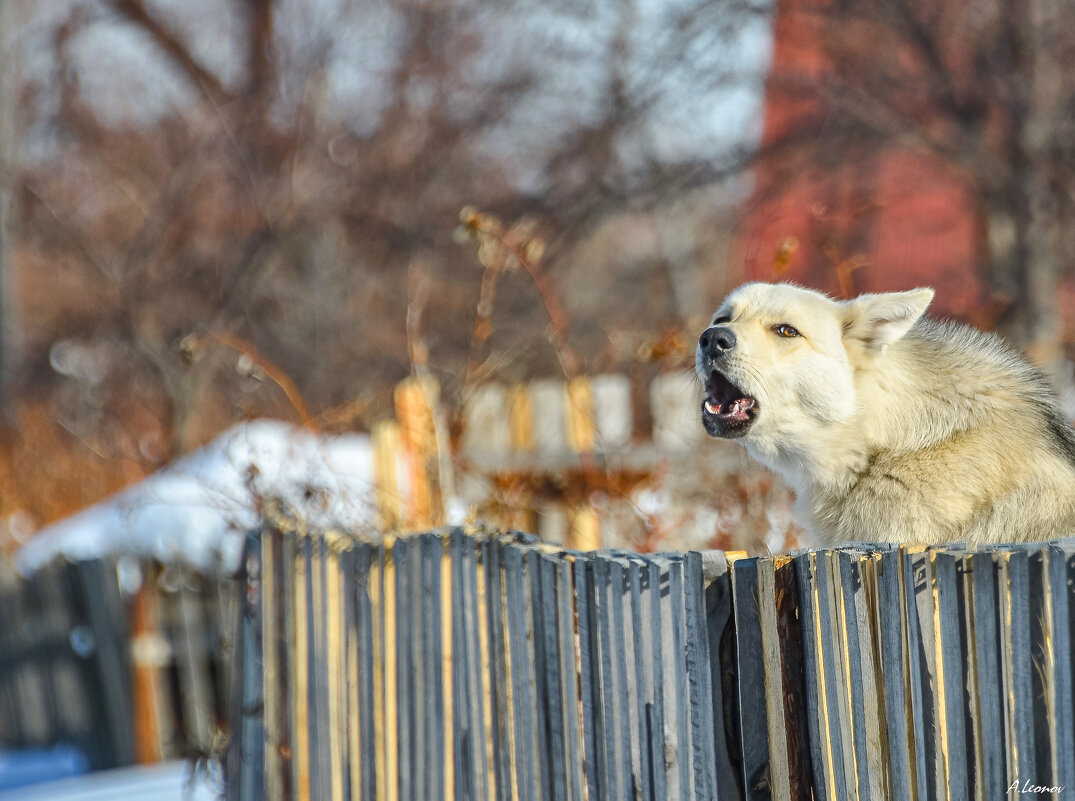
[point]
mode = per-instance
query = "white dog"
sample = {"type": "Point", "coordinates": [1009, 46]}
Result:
{"type": "Point", "coordinates": [889, 426]}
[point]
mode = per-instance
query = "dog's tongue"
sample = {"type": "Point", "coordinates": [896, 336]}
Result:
{"type": "Point", "coordinates": [736, 410]}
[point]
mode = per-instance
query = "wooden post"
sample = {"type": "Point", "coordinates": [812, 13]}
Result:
{"type": "Point", "coordinates": [521, 414]}
{"type": "Point", "coordinates": [585, 529]}
{"type": "Point", "coordinates": [581, 434]}
{"type": "Point", "coordinates": [416, 405]}
{"type": "Point", "coordinates": [149, 653]}
{"type": "Point", "coordinates": [386, 447]}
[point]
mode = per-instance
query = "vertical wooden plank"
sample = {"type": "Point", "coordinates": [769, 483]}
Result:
{"type": "Point", "coordinates": [316, 666]}
{"type": "Point", "coordinates": [336, 666]}
{"type": "Point", "coordinates": [720, 630]}
{"type": "Point", "coordinates": [406, 586]}
{"type": "Point", "coordinates": [1021, 686]}
{"type": "Point", "coordinates": [416, 401]}
{"type": "Point", "coordinates": [448, 590]}
{"type": "Point", "coordinates": [989, 661]}
{"type": "Point", "coordinates": [149, 655]}
{"type": "Point", "coordinates": [245, 759]}
{"type": "Point", "coordinates": [642, 694]}
{"type": "Point", "coordinates": [790, 637]}
{"type": "Point", "coordinates": [618, 683]}
{"type": "Point", "coordinates": [895, 667]}
{"type": "Point", "coordinates": [655, 722]}
{"type": "Point", "coordinates": [527, 782]}
{"type": "Point", "coordinates": [500, 677]}
{"type": "Point", "coordinates": [569, 631]}
{"type": "Point", "coordinates": [584, 528]}
{"type": "Point", "coordinates": [841, 657]}
{"type": "Point", "coordinates": [579, 415]}
{"type": "Point", "coordinates": [298, 658]}
{"type": "Point", "coordinates": [1061, 610]}
{"type": "Point", "coordinates": [273, 666]}
{"type": "Point", "coordinates": [1042, 661]}
{"type": "Point", "coordinates": [972, 693]}
{"type": "Point", "coordinates": [919, 623]}
{"type": "Point", "coordinates": [546, 674]}
{"type": "Point", "coordinates": [750, 666]}
{"type": "Point", "coordinates": [363, 667]}
{"type": "Point", "coordinates": [854, 571]}
{"type": "Point", "coordinates": [950, 679]}
{"type": "Point", "coordinates": [192, 662]}
{"type": "Point", "coordinates": [109, 664]}
{"type": "Point", "coordinates": [393, 709]}
{"type": "Point", "coordinates": [521, 415]}
{"type": "Point", "coordinates": [818, 680]}
{"type": "Point", "coordinates": [462, 722]}
{"type": "Point", "coordinates": [857, 576]}
{"type": "Point", "coordinates": [589, 678]}
{"type": "Point", "coordinates": [771, 673]}
{"type": "Point", "coordinates": [432, 617]}
{"type": "Point", "coordinates": [482, 688]}
{"type": "Point", "coordinates": [603, 695]}
{"type": "Point", "coordinates": [387, 443]}
{"type": "Point", "coordinates": [677, 702]}
{"type": "Point", "coordinates": [698, 679]}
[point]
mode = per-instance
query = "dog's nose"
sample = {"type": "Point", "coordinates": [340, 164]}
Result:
{"type": "Point", "coordinates": [716, 340]}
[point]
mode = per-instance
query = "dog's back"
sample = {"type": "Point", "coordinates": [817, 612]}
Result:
{"type": "Point", "coordinates": [968, 443]}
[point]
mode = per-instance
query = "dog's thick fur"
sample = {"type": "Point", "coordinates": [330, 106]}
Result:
{"type": "Point", "coordinates": [890, 427]}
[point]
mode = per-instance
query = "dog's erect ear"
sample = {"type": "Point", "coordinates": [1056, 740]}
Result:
{"type": "Point", "coordinates": [879, 320]}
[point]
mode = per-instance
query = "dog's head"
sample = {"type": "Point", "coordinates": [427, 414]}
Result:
{"type": "Point", "coordinates": [780, 361]}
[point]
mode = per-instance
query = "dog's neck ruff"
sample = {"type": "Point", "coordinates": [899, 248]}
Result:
{"type": "Point", "coordinates": [827, 471]}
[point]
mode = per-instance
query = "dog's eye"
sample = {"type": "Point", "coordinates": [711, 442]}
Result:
{"type": "Point", "coordinates": [785, 330]}
{"type": "Point", "coordinates": [724, 318]}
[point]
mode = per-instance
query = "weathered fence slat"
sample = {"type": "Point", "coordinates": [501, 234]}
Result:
{"type": "Point", "coordinates": [490, 666]}
{"type": "Point", "coordinates": [1061, 606]}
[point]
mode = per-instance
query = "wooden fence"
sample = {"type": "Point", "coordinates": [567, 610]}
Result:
{"type": "Point", "coordinates": [125, 659]}
{"type": "Point", "coordinates": [480, 665]}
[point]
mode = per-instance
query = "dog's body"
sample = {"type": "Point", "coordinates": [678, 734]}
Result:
{"type": "Point", "coordinates": [889, 426]}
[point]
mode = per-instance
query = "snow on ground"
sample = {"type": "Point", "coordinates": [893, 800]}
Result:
{"type": "Point", "coordinates": [198, 509]}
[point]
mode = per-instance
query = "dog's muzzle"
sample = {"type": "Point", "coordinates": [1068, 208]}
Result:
{"type": "Point", "coordinates": [727, 411]}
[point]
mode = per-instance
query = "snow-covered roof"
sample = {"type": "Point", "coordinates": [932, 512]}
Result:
{"type": "Point", "coordinates": [198, 509]}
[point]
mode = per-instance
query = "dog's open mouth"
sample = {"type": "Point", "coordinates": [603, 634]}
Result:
{"type": "Point", "coordinates": [727, 411]}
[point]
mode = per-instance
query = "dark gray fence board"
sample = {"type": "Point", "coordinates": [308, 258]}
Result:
{"type": "Point", "coordinates": [655, 718]}
{"type": "Point", "coordinates": [951, 674]}
{"type": "Point", "coordinates": [1022, 683]}
{"type": "Point", "coordinates": [619, 676]}
{"type": "Point", "coordinates": [918, 585]}
{"type": "Point", "coordinates": [752, 720]}
{"type": "Point", "coordinates": [988, 660]}
{"type": "Point", "coordinates": [1063, 608]}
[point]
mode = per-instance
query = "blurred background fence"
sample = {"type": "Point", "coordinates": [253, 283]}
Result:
{"type": "Point", "coordinates": [125, 660]}
{"type": "Point", "coordinates": [606, 460]}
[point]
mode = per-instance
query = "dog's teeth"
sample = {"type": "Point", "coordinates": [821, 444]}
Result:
{"type": "Point", "coordinates": [709, 407]}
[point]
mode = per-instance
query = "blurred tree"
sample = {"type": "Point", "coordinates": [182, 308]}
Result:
{"type": "Point", "coordinates": [215, 197]}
